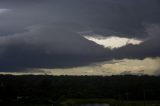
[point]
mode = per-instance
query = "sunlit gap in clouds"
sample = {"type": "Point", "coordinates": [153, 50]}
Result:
{"type": "Point", "coordinates": [107, 68]}
{"type": "Point", "coordinates": [113, 42]}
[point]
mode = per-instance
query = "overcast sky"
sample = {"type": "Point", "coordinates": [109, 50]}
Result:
{"type": "Point", "coordinates": [70, 36]}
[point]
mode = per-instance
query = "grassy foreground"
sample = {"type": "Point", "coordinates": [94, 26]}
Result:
{"type": "Point", "coordinates": [111, 102]}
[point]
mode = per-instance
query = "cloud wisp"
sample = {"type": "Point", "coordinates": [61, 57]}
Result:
{"type": "Point", "coordinates": [2, 10]}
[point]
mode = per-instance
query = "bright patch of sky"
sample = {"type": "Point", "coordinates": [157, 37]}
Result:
{"type": "Point", "coordinates": [113, 41]}
{"type": "Point", "coordinates": [147, 66]}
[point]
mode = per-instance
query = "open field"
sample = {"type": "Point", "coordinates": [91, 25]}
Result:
{"type": "Point", "coordinates": [57, 90]}
{"type": "Point", "coordinates": [111, 102]}
{"type": "Point", "coordinates": [95, 102]}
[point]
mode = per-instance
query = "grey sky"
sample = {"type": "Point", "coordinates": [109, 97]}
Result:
{"type": "Point", "coordinates": [45, 33]}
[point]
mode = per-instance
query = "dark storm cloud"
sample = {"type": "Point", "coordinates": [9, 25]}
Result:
{"type": "Point", "coordinates": [149, 48]}
{"type": "Point", "coordinates": [47, 47]}
{"type": "Point", "coordinates": [125, 17]}
{"type": "Point", "coordinates": [44, 33]}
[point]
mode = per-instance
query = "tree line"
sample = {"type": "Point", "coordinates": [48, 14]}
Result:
{"type": "Point", "coordinates": [49, 89]}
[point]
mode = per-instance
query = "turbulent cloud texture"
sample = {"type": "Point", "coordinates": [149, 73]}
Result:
{"type": "Point", "coordinates": [48, 33]}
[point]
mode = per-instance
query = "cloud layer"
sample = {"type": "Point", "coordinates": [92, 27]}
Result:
{"type": "Point", "coordinates": [46, 34]}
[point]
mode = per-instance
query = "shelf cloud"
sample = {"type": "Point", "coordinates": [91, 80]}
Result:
{"type": "Point", "coordinates": [51, 34]}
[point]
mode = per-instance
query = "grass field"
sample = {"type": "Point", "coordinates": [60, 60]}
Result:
{"type": "Point", "coordinates": [26, 105]}
{"type": "Point", "coordinates": [111, 102]}
{"type": "Point", "coordinates": [78, 102]}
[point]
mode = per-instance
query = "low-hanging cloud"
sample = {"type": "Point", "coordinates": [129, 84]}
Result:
{"type": "Point", "coordinates": [47, 47]}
